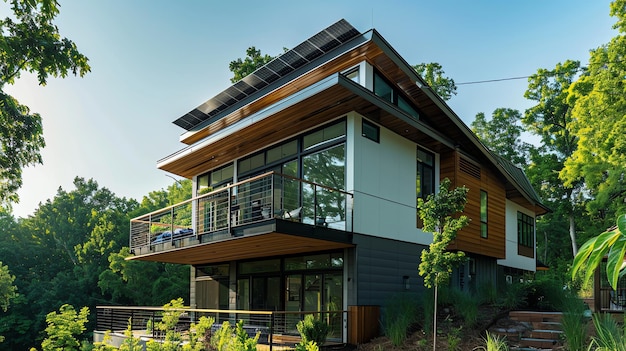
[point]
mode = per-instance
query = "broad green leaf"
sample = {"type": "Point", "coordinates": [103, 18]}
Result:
{"type": "Point", "coordinates": [621, 223]}
{"type": "Point", "coordinates": [615, 259]}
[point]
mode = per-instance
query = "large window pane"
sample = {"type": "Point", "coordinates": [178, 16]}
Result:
{"type": "Point", "coordinates": [282, 151]}
{"type": "Point", "coordinates": [321, 136]}
{"type": "Point", "coordinates": [382, 89]}
{"type": "Point", "coordinates": [326, 168]}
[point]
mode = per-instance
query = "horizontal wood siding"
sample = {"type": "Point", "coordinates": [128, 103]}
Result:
{"type": "Point", "coordinates": [469, 239]}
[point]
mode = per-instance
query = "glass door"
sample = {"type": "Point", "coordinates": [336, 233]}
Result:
{"type": "Point", "coordinates": [266, 293]}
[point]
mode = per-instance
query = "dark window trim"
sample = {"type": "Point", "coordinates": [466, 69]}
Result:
{"type": "Point", "coordinates": [299, 153]}
{"type": "Point", "coordinates": [372, 127]}
{"type": "Point", "coordinates": [525, 235]}
{"type": "Point", "coordinates": [484, 233]}
{"type": "Point", "coordinates": [395, 92]}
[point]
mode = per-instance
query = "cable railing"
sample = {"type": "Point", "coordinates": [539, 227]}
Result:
{"type": "Point", "coordinates": [275, 328]}
{"type": "Point", "coordinates": [269, 196]}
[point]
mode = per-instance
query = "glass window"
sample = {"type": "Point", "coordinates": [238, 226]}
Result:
{"type": "Point", "coordinates": [353, 75]}
{"type": "Point", "coordinates": [525, 230]}
{"type": "Point", "coordinates": [382, 88]}
{"type": "Point", "coordinates": [404, 105]}
{"type": "Point", "coordinates": [282, 151]}
{"type": "Point", "coordinates": [334, 260]}
{"type": "Point", "coordinates": [328, 168]}
{"type": "Point", "coordinates": [329, 133]}
{"type": "Point", "coordinates": [370, 131]}
{"type": "Point", "coordinates": [203, 181]}
{"type": "Point", "coordinates": [216, 178]}
{"type": "Point", "coordinates": [425, 182]}
{"type": "Point", "coordinates": [483, 214]}
{"type": "Point", "coordinates": [222, 176]}
{"type": "Point", "coordinates": [212, 270]}
{"type": "Point", "coordinates": [265, 266]}
{"type": "Point", "coordinates": [250, 163]}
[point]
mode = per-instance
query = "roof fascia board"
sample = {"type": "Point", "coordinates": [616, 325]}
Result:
{"type": "Point", "coordinates": [342, 49]}
{"type": "Point", "coordinates": [404, 66]}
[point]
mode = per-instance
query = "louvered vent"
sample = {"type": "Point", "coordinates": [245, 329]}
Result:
{"type": "Point", "coordinates": [469, 168]}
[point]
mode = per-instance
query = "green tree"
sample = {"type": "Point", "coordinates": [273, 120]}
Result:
{"type": "Point", "coordinates": [65, 328]}
{"type": "Point", "coordinates": [598, 124]}
{"type": "Point", "coordinates": [29, 42]}
{"type": "Point", "coordinates": [433, 74]}
{"type": "Point", "coordinates": [140, 282]}
{"type": "Point", "coordinates": [551, 119]}
{"type": "Point", "coordinates": [437, 215]}
{"type": "Point", "coordinates": [8, 291]}
{"type": "Point", "coordinates": [253, 60]}
{"type": "Point", "coordinates": [502, 134]}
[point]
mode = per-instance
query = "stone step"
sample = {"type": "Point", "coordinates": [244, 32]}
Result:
{"type": "Point", "coordinates": [534, 316]}
{"type": "Point", "coordinates": [547, 325]}
{"type": "Point", "coordinates": [538, 343]}
{"type": "Point", "coordinates": [545, 334]}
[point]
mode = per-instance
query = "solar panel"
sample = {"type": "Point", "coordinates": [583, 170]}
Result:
{"type": "Point", "coordinates": [307, 51]}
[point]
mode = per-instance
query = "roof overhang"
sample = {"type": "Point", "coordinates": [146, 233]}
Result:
{"type": "Point", "coordinates": [321, 102]}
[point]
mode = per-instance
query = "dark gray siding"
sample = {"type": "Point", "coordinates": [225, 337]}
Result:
{"type": "Point", "coordinates": [471, 275]}
{"type": "Point", "coordinates": [380, 267]}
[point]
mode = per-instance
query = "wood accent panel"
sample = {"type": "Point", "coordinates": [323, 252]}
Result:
{"type": "Point", "coordinates": [363, 322]}
{"type": "Point", "coordinates": [469, 239]}
{"type": "Point", "coordinates": [241, 248]}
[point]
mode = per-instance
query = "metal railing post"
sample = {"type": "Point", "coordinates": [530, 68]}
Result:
{"type": "Point", "coordinates": [269, 338]}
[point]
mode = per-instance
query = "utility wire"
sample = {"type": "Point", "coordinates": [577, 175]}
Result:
{"type": "Point", "coordinates": [492, 80]}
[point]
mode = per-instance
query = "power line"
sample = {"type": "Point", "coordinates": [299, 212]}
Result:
{"type": "Point", "coordinates": [492, 80]}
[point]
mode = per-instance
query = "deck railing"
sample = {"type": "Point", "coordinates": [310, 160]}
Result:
{"type": "Point", "coordinates": [274, 327]}
{"type": "Point", "coordinates": [258, 199]}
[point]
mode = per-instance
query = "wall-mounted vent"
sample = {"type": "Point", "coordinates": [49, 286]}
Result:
{"type": "Point", "coordinates": [469, 168]}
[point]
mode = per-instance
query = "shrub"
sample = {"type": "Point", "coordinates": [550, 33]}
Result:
{"type": "Point", "coordinates": [313, 329]}
{"type": "Point", "coordinates": [454, 339]}
{"type": "Point", "coordinates": [307, 346]}
{"type": "Point", "coordinates": [400, 313]}
{"type": "Point", "coordinates": [573, 323]}
{"type": "Point", "coordinates": [487, 293]}
{"type": "Point", "coordinates": [545, 294]}
{"type": "Point", "coordinates": [237, 339]}
{"type": "Point", "coordinates": [609, 335]}
{"type": "Point", "coordinates": [494, 343]}
{"type": "Point", "coordinates": [466, 306]}
{"type": "Point", "coordinates": [513, 296]}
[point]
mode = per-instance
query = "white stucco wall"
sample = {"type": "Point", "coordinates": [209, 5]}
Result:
{"type": "Point", "coordinates": [512, 258]}
{"type": "Point", "coordinates": [382, 178]}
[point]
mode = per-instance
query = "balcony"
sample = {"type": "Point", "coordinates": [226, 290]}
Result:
{"type": "Point", "coordinates": [270, 214]}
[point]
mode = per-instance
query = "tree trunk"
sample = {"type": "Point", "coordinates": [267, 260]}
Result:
{"type": "Point", "coordinates": [572, 233]}
{"type": "Point", "coordinates": [435, 321]}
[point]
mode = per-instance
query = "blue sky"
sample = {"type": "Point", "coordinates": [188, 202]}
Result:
{"type": "Point", "coordinates": [153, 60]}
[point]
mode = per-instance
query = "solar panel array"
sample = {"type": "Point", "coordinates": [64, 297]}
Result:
{"type": "Point", "coordinates": [309, 50]}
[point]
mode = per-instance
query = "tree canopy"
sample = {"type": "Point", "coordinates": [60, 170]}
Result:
{"type": "Point", "coordinates": [433, 74]}
{"type": "Point", "coordinates": [29, 42]}
{"type": "Point", "coordinates": [253, 60]}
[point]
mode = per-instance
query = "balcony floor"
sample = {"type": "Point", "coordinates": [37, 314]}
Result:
{"type": "Point", "coordinates": [270, 238]}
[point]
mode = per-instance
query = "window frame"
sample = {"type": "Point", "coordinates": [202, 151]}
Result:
{"type": "Point", "coordinates": [484, 214]}
{"type": "Point", "coordinates": [525, 234]}
{"type": "Point", "coordinates": [370, 127]}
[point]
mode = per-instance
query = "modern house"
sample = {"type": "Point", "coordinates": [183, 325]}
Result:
{"type": "Point", "coordinates": [306, 176]}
